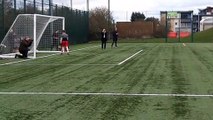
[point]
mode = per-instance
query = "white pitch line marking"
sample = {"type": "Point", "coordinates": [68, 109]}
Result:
{"type": "Point", "coordinates": [86, 64]}
{"type": "Point", "coordinates": [9, 63]}
{"type": "Point", "coordinates": [129, 57]}
{"type": "Point", "coordinates": [184, 44]}
{"type": "Point", "coordinates": [15, 62]}
{"type": "Point", "coordinates": [103, 94]}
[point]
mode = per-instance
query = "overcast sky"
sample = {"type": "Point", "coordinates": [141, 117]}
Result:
{"type": "Point", "coordinates": [122, 9]}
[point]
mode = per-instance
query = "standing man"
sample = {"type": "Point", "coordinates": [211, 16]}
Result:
{"type": "Point", "coordinates": [24, 47]}
{"type": "Point", "coordinates": [55, 41]}
{"type": "Point", "coordinates": [64, 42]}
{"type": "Point", "coordinates": [115, 37]}
{"type": "Point", "coordinates": [103, 39]}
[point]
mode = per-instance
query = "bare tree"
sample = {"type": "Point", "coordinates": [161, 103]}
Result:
{"type": "Point", "coordinates": [99, 19]}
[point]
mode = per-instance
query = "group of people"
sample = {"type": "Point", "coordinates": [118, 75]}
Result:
{"type": "Point", "coordinates": [64, 44]}
{"type": "Point", "coordinates": [25, 43]}
{"type": "Point", "coordinates": [104, 37]}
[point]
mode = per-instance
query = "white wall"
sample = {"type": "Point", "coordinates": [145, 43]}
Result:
{"type": "Point", "coordinates": [206, 23]}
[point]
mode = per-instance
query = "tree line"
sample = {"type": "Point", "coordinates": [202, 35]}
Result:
{"type": "Point", "coordinates": [100, 18]}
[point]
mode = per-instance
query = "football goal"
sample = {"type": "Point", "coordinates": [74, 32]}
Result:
{"type": "Point", "coordinates": [40, 28]}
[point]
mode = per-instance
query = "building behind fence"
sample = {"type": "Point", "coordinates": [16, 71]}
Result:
{"type": "Point", "coordinates": [137, 29]}
{"type": "Point", "coordinates": [77, 21]}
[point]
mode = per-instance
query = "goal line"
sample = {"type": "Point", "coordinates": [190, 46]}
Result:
{"type": "Point", "coordinates": [20, 61]}
{"type": "Point", "coordinates": [88, 64]}
{"type": "Point", "coordinates": [105, 94]}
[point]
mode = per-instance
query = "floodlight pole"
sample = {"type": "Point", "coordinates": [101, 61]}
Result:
{"type": "Point", "coordinates": [109, 6]}
{"type": "Point", "coordinates": [179, 25]}
{"type": "Point", "coordinates": [51, 7]}
{"type": "Point", "coordinates": [87, 5]}
{"type": "Point", "coordinates": [166, 28]}
{"type": "Point", "coordinates": [14, 8]}
{"type": "Point", "coordinates": [2, 15]}
{"type": "Point", "coordinates": [192, 37]}
{"type": "Point", "coordinates": [71, 4]}
{"type": "Point", "coordinates": [109, 18]}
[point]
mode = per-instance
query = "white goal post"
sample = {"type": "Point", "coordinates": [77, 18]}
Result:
{"type": "Point", "coordinates": [38, 27]}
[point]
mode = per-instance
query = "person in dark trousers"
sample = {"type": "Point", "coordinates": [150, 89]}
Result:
{"type": "Point", "coordinates": [24, 47]}
{"type": "Point", "coordinates": [55, 41]}
{"type": "Point", "coordinates": [114, 37]}
{"type": "Point", "coordinates": [103, 39]}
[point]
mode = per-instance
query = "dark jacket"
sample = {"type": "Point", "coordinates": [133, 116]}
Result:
{"type": "Point", "coordinates": [115, 35]}
{"type": "Point", "coordinates": [103, 36]}
{"type": "Point", "coordinates": [25, 44]}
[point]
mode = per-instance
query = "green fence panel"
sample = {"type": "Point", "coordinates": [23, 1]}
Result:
{"type": "Point", "coordinates": [76, 21]}
{"type": "Point", "coordinates": [1, 20]}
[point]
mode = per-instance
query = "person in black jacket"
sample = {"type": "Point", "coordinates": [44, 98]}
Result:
{"type": "Point", "coordinates": [24, 47]}
{"type": "Point", "coordinates": [115, 37]}
{"type": "Point", "coordinates": [103, 39]}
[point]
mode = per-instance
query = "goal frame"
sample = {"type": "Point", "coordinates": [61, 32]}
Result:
{"type": "Point", "coordinates": [36, 40]}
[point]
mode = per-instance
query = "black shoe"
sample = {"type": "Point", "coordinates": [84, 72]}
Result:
{"type": "Point", "coordinates": [16, 56]}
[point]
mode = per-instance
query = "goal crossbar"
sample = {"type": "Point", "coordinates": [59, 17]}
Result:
{"type": "Point", "coordinates": [38, 27]}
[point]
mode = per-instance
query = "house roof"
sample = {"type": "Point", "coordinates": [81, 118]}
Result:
{"type": "Point", "coordinates": [207, 8]}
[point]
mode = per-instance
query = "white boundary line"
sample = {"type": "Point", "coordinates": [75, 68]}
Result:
{"type": "Point", "coordinates": [86, 64]}
{"type": "Point", "coordinates": [129, 57]}
{"type": "Point", "coordinates": [9, 63]}
{"type": "Point", "coordinates": [184, 44]}
{"type": "Point", "coordinates": [103, 94]}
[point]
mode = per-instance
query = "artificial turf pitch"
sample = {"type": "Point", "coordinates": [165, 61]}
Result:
{"type": "Point", "coordinates": [127, 86]}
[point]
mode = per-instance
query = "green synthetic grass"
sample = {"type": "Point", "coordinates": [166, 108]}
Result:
{"type": "Point", "coordinates": [161, 68]}
{"type": "Point", "coordinates": [204, 36]}
{"type": "Point", "coordinates": [201, 37]}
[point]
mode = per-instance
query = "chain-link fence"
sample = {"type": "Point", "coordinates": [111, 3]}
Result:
{"type": "Point", "coordinates": [77, 22]}
{"type": "Point", "coordinates": [171, 26]}
{"type": "Point", "coordinates": [166, 26]}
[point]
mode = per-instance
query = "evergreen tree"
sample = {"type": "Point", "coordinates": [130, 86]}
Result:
{"type": "Point", "coordinates": [137, 16]}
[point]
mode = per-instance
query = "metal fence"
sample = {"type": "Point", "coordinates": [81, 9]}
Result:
{"type": "Point", "coordinates": [77, 21]}
{"type": "Point", "coordinates": [171, 26]}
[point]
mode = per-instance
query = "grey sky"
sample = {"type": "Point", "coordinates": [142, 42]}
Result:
{"type": "Point", "coordinates": [122, 9]}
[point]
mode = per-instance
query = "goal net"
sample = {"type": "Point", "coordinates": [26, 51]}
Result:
{"type": "Point", "coordinates": [40, 28]}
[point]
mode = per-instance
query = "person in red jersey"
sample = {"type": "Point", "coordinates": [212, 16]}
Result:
{"type": "Point", "coordinates": [64, 43]}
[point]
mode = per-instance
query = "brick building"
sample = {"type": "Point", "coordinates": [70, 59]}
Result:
{"type": "Point", "coordinates": [137, 29]}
